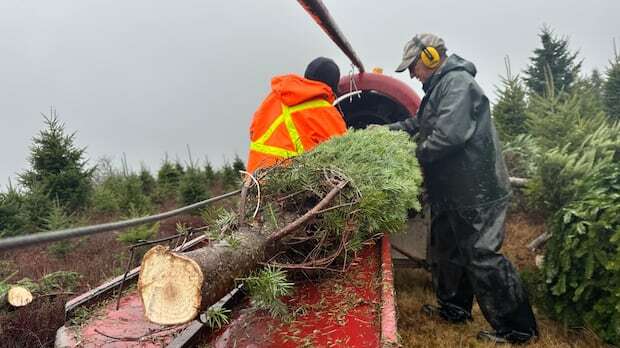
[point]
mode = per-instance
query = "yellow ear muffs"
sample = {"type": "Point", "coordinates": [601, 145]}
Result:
{"type": "Point", "coordinates": [430, 57]}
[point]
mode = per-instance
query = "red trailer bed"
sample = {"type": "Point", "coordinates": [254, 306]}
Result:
{"type": "Point", "coordinates": [352, 309]}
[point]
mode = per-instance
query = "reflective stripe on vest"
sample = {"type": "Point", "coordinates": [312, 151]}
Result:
{"type": "Point", "coordinates": [286, 117]}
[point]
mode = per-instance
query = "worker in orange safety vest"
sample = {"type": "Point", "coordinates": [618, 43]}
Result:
{"type": "Point", "coordinates": [296, 116]}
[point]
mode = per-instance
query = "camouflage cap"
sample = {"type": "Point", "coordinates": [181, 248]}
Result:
{"type": "Point", "coordinates": [414, 47]}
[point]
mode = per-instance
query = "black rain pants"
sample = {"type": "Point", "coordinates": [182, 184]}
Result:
{"type": "Point", "coordinates": [466, 262]}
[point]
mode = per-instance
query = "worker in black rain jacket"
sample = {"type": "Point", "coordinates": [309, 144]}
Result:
{"type": "Point", "coordinates": [468, 189]}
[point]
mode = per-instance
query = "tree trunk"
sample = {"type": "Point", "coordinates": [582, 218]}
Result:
{"type": "Point", "coordinates": [17, 296]}
{"type": "Point", "coordinates": [518, 182]}
{"type": "Point", "coordinates": [538, 241]}
{"type": "Point", "coordinates": [176, 287]}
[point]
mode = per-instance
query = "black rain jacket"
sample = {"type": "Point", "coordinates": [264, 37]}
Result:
{"type": "Point", "coordinates": [458, 146]}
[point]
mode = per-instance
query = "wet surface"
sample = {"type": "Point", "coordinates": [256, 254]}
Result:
{"type": "Point", "coordinates": [342, 311]}
{"type": "Point", "coordinates": [339, 311]}
{"type": "Point", "coordinates": [126, 327]}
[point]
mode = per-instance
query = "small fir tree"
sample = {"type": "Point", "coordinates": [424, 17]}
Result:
{"type": "Point", "coordinates": [179, 167]}
{"type": "Point", "coordinates": [558, 121]}
{"type": "Point", "coordinates": [58, 167]}
{"type": "Point", "coordinates": [138, 233]}
{"type": "Point", "coordinates": [58, 220]}
{"type": "Point", "coordinates": [590, 90]}
{"type": "Point", "coordinates": [509, 111]}
{"type": "Point", "coordinates": [611, 88]}
{"type": "Point", "coordinates": [581, 263]}
{"type": "Point", "coordinates": [553, 59]}
{"type": "Point", "coordinates": [168, 178]}
{"type": "Point", "coordinates": [229, 177]}
{"type": "Point", "coordinates": [209, 172]}
{"type": "Point", "coordinates": [238, 164]}
{"type": "Point", "coordinates": [147, 181]}
{"type": "Point", "coordinates": [597, 82]}
{"type": "Point", "coordinates": [194, 186]}
{"type": "Point", "coordinates": [13, 221]}
{"type": "Point", "coordinates": [105, 199]}
{"type": "Point", "coordinates": [130, 191]}
{"type": "Point", "coordinates": [37, 206]}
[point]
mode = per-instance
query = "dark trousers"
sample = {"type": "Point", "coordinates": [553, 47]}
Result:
{"type": "Point", "coordinates": [466, 262]}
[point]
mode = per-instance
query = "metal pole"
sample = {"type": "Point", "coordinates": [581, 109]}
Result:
{"type": "Point", "coordinates": [52, 236]}
{"type": "Point", "coordinates": [319, 13]}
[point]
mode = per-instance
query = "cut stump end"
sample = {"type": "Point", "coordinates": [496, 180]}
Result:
{"type": "Point", "coordinates": [19, 296]}
{"type": "Point", "coordinates": [169, 286]}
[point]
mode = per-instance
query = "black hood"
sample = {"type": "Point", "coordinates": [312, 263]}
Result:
{"type": "Point", "coordinates": [454, 62]}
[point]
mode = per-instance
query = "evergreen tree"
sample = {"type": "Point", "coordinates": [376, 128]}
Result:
{"type": "Point", "coordinates": [58, 220]}
{"type": "Point", "coordinates": [597, 82]}
{"type": "Point", "coordinates": [558, 121]}
{"type": "Point", "coordinates": [37, 206]}
{"type": "Point", "coordinates": [179, 167]}
{"type": "Point", "coordinates": [121, 192]}
{"type": "Point", "coordinates": [138, 233]}
{"type": "Point", "coordinates": [131, 193]}
{"type": "Point", "coordinates": [209, 172]}
{"type": "Point", "coordinates": [58, 167]}
{"type": "Point", "coordinates": [12, 218]}
{"type": "Point", "coordinates": [229, 177]}
{"type": "Point", "coordinates": [168, 178]}
{"type": "Point", "coordinates": [611, 89]}
{"type": "Point", "coordinates": [148, 182]}
{"type": "Point", "coordinates": [193, 187]}
{"type": "Point", "coordinates": [509, 111]}
{"type": "Point", "coordinates": [553, 60]}
{"type": "Point", "coordinates": [590, 90]}
{"type": "Point", "coordinates": [238, 164]}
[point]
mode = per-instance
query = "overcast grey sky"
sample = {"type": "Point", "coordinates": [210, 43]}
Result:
{"type": "Point", "coordinates": [148, 77]}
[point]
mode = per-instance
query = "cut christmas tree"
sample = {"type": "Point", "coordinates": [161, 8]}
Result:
{"type": "Point", "coordinates": [309, 214]}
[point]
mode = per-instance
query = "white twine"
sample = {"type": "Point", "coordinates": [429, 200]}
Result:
{"type": "Point", "coordinates": [258, 188]}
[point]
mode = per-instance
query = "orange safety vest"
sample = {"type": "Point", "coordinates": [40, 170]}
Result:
{"type": "Point", "coordinates": [295, 117]}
